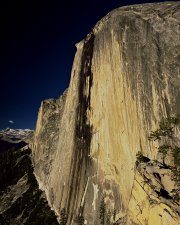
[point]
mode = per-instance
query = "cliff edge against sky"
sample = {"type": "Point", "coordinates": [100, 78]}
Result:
{"type": "Point", "coordinates": [125, 79]}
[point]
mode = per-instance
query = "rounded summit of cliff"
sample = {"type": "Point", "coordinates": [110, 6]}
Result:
{"type": "Point", "coordinates": [152, 12]}
{"type": "Point", "coordinates": [125, 78]}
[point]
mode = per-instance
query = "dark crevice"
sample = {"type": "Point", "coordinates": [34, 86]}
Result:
{"type": "Point", "coordinates": [157, 176]}
{"type": "Point", "coordinates": [83, 131]}
{"type": "Point", "coordinates": [164, 166]}
{"type": "Point", "coordinates": [163, 193]}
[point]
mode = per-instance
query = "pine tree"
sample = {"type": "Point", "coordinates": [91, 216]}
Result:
{"type": "Point", "coordinates": [108, 218]}
{"type": "Point", "coordinates": [102, 212]}
{"type": "Point", "coordinates": [79, 220]}
{"type": "Point", "coordinates": [114, 215]}
{"type": "Point", "coordinates": [63, 217]}
{"type": "Point", "coordinates": [166, 130]}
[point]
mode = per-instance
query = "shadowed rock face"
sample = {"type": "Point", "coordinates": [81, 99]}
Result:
{"type": "Point", "coordinates": [47, 135]}
{"type": "Point", "coordinates": [21, 201]}
{"type": "Point", "coordinates": [124, 79]}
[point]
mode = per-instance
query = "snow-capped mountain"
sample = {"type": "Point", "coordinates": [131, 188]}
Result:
{"type": "Point", "coordinates": [16, 135]}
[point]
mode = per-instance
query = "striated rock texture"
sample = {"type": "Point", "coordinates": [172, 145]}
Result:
{"type": "Point", "coordinates": [150, 201]}
{"type": "Point", "coordinates": [47, 135]}
{"type": "Point", "coordinates": [125, 79]}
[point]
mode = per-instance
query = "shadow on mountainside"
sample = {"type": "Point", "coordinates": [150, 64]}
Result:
{"type": "Point", "coordinates": [21, 201]}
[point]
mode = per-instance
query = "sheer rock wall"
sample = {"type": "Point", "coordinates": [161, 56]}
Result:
{"type": "Point", "coordinates": [125, 78]}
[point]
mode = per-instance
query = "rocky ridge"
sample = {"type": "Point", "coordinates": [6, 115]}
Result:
{"type": "Point", "coordinates": [13, 139]}
{"type": "Point", "coordinates": [21, 201]}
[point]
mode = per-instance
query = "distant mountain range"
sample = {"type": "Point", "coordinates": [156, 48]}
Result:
{"type": "Point", "coordinates": [13, 139]}
{"type": "Point", "coordinates": [15, 135]}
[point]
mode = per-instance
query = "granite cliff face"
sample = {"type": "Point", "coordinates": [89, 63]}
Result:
{"type": "Point", "coordinates": [125, 79]}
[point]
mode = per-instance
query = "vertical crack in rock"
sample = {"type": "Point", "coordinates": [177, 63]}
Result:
{"type": "Point", "coordinates": [134, 55]}
{"type": "Point", "coordinates": [80, 164]}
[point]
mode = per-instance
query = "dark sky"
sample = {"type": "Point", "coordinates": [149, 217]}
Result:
{"type": "Point", "coordinates": [37, 47]}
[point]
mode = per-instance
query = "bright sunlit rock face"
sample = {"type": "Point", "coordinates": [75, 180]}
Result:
{"type": "Point", "coordinates": [124, 80]}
